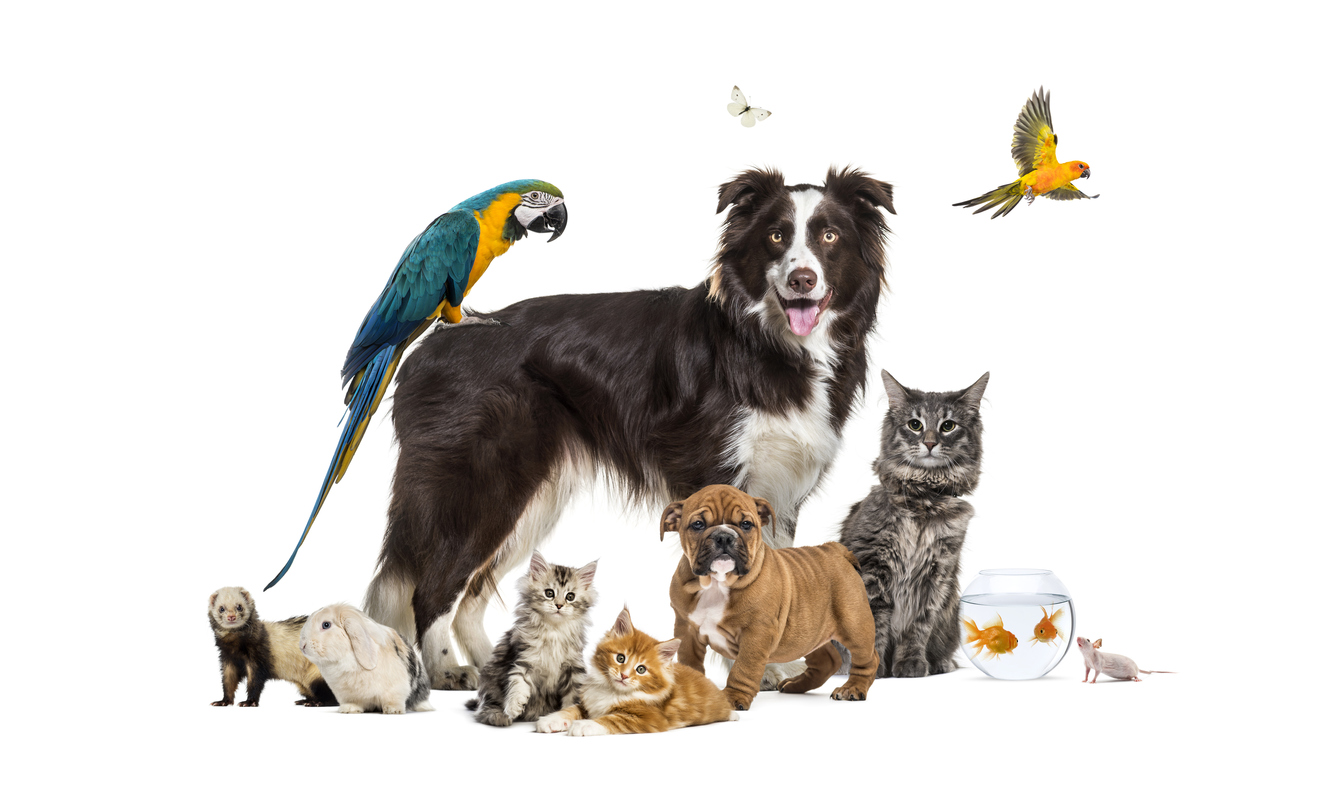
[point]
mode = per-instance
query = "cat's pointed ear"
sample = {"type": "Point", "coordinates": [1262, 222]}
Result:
{"type": "Point", "coordinates": [671, 519]}
{"type": "Point", "coordinates": [623, 625]}
{"type": "Point", "coordinates": [537, 565]}
{"type": "Point", "coordinates": [667, 649]}
{"type": "Point", "coordinates": [896, 391]}
{"type": "Point", "coordinates": [972, 395]}
{"type": "Point", "coordinates": [586, 573]}
{"type": "Point", "coordinates": [766, 515]}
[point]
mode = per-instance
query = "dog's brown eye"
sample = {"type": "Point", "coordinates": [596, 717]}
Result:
{"type": "Point", "coordinates": [915, 425]}
{"type": "Point", "coordinates": [621, 658]}
{"type": "Point", "coordinates": [570, 596]}
{"type": "Point", "coordinates": [829, 236]}
{"type": "Point", "coordinates": [746, 525]}
{"type": "Point", "coordinates": [697, 525]}
{"type": "Point", "coordinates": [641, 670]}
{"type": "Point", "coordinates": [547, 593]}
{"type": "Point", "coordinates": [948, 426]}
{"type": "Point", "coordinates": [776, 236]}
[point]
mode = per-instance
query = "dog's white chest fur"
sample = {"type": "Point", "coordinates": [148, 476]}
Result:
{"type": "Point", "coordinates": [709, 609]}
{"type": "Point", "coordinates": [781, 456]}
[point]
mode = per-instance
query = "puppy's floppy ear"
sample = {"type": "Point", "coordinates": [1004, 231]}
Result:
{"type": "Point", "coordinates": [855, 184]}
{"type": "Point", "coordinates": [972, 395]}
{"type": "Point", "coordinates": [667, 649]}
{"type": "Point", "coordinates": [753, 183]}
{"type": "Point", "coordinates": [623, 625]}
{"type": "Point", "coordinates": [671, 519]}
{"type": "Point", "coordinates": [537, 564]}
{"type": "Point", "coordinates": [765, 513]}
{"type": "Point", "coordinates": [362, 644]}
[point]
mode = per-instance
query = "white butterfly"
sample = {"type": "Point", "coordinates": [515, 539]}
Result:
{"type": "Point", "coordinates": [742, 109]}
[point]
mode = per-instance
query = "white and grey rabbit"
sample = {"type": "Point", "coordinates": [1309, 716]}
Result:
{"type": "Point", "coordinates": [368, 665]}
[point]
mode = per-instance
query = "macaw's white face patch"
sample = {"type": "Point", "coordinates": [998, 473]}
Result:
{"type": "Point", "coordinates": [535, 204]}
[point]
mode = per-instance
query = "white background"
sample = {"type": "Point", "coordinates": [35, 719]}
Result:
{"type": "Point", "coordinates": [199, 202]}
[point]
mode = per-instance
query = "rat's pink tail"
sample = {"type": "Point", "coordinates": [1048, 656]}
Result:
{"type": "Point", "coordinates": [1157, 672]}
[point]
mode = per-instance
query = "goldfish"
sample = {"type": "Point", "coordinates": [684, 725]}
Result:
{"type": "Point", "coordinates": [1047, 630]}
{"type": "Point", "coordinates": [991, 638]}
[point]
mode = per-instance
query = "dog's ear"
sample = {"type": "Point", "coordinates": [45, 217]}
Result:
{"type": "Point", "coordinates": [854, 184]}
{"type": "Point", "coordinates": [765, 513]}
{"type": "Point", "coordinates": [753, 183]}
{"type": "Point", "coordinates": [671, 519]}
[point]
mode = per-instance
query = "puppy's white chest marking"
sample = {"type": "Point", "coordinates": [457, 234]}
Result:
{"type": "Point", "coordinates": [781, 456]}
{"type": "Point", "coordinates": [709, 609]}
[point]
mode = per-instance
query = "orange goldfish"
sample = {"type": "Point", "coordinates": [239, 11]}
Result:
{"type": "Point", "coordinates": [1048, 628]}
{"type": "Point", "coordinates": [991, 638]}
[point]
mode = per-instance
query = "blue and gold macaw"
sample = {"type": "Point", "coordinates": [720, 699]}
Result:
{"type": "Point", "coordinates": [434, 275]}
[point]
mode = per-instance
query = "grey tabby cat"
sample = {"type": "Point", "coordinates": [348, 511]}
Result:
{"type": "Point", "coordinates": [535, 667]}
{"type": "Point", "coordinates": [907, 534]}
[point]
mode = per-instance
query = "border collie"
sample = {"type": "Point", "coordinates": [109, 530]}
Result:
{"type": "Point", "coordinates": [745, 379]}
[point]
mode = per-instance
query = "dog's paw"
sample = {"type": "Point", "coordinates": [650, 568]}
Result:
{"type": "Point", "coordinates": [848, 693]}
{"type": "Point", "coordinates": [738, 700]}
{"type": "Point", "coordinates": [586, 728]}
{"type": "Point", "coordinates": [911, 667]}
{"type": "Point", "coordinates": [456, 678]}
{"type": "Point", "coordinates": [797, 684]}
{"type": "Point", "coordinates": [350, 709]}
{"type": "Point", "coordinates": [551, 724]}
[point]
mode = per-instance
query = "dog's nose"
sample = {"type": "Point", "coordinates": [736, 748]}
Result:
{"type": "Point", "coordinates": [802, 280]}
{"type": "Point", "coordinates": [723, 541]}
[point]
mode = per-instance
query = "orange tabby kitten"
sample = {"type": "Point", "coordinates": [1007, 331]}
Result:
{"type": "Point", "coordinates": [632, 686]}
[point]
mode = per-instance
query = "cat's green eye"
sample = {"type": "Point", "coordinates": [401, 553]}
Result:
{"type": "Point", "coordinates": [915, 425]}
{"type": "Point", "coordinates": [948, 426]}
{"type": "Point", "coordinates": [570, 596]}
{"type": "Point", "coordinates": [621, 658]}
{"type": "Point", "coordinates": [641, 669]}
{"type": "Point", "coordinates": [547, 593]}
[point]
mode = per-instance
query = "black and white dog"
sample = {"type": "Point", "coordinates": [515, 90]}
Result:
{"type": "Point", "coordinates": [746, 379]}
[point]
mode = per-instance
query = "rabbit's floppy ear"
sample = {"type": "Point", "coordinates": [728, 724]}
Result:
{"type": "Point", "coordinates": [365, 649]}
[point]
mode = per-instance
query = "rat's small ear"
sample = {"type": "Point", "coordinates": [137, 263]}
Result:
{"type": "Point", "coordinates": [671, 519]}
{"type": "Point", "coordinates": [1098, 643]}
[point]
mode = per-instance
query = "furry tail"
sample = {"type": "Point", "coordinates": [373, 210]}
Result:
{"type": "Point", "coordinates": [366, 394]}
{"type": "Point", "coordinates": [1005, 197]}
{"type": "Point", "coordinates": [472, 704]}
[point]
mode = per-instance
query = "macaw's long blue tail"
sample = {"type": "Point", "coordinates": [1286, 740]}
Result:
{"type": "Point", "coordinates": [366, 394]}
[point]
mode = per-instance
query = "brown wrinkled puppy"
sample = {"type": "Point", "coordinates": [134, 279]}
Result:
{"type": "Point", "coordinates": [756, 604]}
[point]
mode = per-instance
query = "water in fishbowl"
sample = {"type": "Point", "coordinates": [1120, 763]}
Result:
{"type": "Point", "coordinates": [1016, 635]}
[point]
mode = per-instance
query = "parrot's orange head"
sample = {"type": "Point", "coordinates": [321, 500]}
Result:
{"type": "Point", "coordinates": [1081, 168]}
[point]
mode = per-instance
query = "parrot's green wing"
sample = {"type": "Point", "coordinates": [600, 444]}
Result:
{"type": "Point", "coordinates": [1033, 140]}
{"type": "Point", "coordinates": [1067, 192]}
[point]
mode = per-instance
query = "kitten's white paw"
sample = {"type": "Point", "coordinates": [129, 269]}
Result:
{"type": "Point", "coordinates": [734, 717]}
{"type": "Point", "coordinates": [516, 697]}
{"type": "Point", "coordinates": [587, 728]}
{"type": "Point", "coordinates": [350, 709]}
{"type": "Point", "coordinates": [776, 673]}
{"type": "Point", "coordinates": [551, 724]}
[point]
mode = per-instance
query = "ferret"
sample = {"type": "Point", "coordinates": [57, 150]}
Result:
{"type": "Point", "coordinates": [259, 650]}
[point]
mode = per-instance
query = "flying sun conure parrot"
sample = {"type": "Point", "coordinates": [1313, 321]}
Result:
{"type": "Point", "coordinates": [1033, 147]}
{"type": "Point", "coordinates": [434, 275]}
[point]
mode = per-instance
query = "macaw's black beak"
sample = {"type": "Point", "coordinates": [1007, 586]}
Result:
{"type": "Point", "coordinates": [552, 221]}
{"type": "Point", "coordinates": [1086, 173]}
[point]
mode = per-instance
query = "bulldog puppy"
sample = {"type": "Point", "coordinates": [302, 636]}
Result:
{"type": "Point", "coordinates": [758, 605]}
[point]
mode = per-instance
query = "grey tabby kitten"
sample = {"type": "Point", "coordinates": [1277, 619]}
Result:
{"type": "Point", "coordinates": [537, 662]}
{"type": "Point", "coordinates": [907, 534]}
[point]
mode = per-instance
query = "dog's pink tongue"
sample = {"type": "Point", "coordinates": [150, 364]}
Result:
{"type": "Point", "coordinates": [804, 319]}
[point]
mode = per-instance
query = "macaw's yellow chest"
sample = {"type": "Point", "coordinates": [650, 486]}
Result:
{"type": "Point", "coordinates": [491, 225]}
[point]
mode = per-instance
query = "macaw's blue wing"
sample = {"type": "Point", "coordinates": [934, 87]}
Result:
{"type": "Point", "coordinates": [434, 269]}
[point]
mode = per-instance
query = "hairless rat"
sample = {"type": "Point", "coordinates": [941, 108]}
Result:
{"type": "Point", "coordinates": [1113, 665]}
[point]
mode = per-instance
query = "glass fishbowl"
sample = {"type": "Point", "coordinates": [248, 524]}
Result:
{"type": "Point", "coordinates": [1016, 623]}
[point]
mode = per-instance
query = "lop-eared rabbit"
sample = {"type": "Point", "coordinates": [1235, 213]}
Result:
{"type": "Point", "coordinates": [366, 664]}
